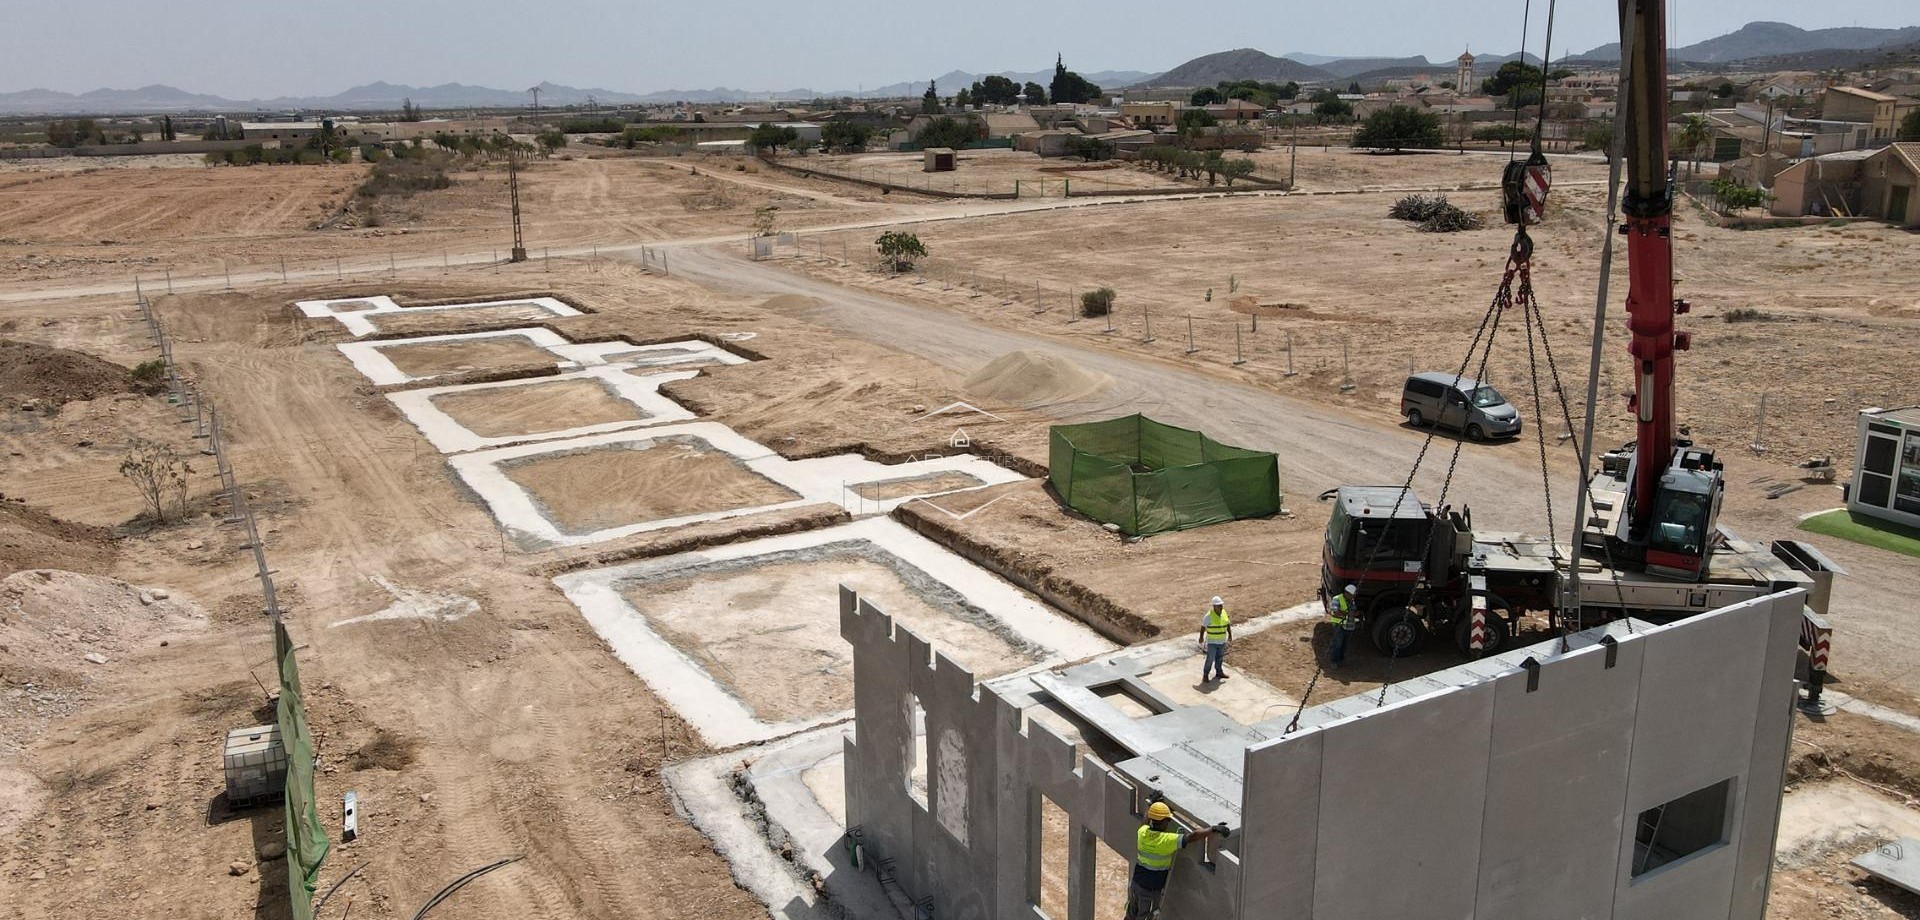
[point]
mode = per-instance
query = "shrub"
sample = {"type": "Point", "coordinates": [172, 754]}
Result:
{"type": "Point", "coordinates": [1746, 315]}
{"type": "Point", "coordinates": [1418, 207]}
{"type": "Point", "coordinates": [404, 177]}
{"type": "Point", "coordinates": [1097, 302]}
{"type": "Point", "coordinates": [1450, 219]}
{"type": "Point", "coordinates": [899, 250]}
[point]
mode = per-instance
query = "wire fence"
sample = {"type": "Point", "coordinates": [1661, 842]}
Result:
{"type": "Point", "coordinates": [307, 841]}
{"type": "Point", "coordinates": [1333, 353]}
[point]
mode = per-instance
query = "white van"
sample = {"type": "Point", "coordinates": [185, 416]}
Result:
{"type": "Point", "coordinates": [1461, 403]}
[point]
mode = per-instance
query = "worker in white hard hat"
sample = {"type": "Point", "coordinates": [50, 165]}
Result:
{"type": "Point", "coordinates": [1345, 618]}
{"type": "Point", "coordinates": [1156, 843]}
{"type": "Point", "coordinates": [1216, 630]}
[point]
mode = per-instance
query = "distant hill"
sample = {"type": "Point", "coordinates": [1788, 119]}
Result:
{"type": "Point", "coordinates": [1769, 39]}
{"type": "Point", "coordinates": [1346, 68]}
{"type": "Point", "coordinates": [1239, 64]}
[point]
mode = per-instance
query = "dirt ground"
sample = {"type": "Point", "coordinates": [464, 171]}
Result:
{"type": "Point", "coordinates": [435, 359]}
{"type": "Point", "coordinates": [990, 171]}
{"type": "Point", "coordinates": [1372, 295]}
{"type": "Point", "coordinates": [634, 482]}
{"type": "Point", "coordinates": [537, 407]}
{"type": "Point", "coordinates": [795, 665]}
{"type": "Point", "coordinates": [513, 729]}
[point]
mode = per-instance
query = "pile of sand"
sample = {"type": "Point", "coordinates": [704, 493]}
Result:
{"type": "Point", "coordinates": [49, 377]}
{"type": "Point", "coordinates": [1033, 378]}
{"type": "Point", "coordinates": [790, 303]}
{"type": "Point", "coordinates": [31, 539]}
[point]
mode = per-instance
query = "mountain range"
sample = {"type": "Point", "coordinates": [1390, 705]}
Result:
{"type": "Point", "coordinates": [1773, 43]}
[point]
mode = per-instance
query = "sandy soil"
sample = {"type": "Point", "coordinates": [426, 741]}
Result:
{"type": "Point", "coordinates": [1834, 332]}
{"type": "Point", "coordinates": [795, 665]}
{"type": "Point", "coordinates": [433, 359]}
{"type": "Point", "coordinates": [438, 321]}
{"type": "Point", "coordinates": [536, 407]}
{"type": "Point", "coordinates": [915, 485]}
{"type": "Point", "coordinates": [628, 483]}
{"type": "Point", "coordinates": [993, 171]}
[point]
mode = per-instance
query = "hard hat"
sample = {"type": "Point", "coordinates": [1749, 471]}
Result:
{"type": "Point", "coordinates": [1159, 811]}
{"type": "Point", "coordinates": [1353, 589]}
{"type": "Point", "coordinates": [1217, 602]}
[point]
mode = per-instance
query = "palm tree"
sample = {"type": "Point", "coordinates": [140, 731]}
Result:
{"type": "Point", "coordinates": [1694, 134]}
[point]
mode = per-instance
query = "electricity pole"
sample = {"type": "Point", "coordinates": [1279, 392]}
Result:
{"type": "Point", "coordinates": [519, 253]}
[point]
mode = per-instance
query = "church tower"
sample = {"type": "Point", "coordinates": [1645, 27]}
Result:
{"type": "Point", "coordinates": [1463, 78]}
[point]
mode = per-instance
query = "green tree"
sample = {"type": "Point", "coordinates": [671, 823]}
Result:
{"type": "Point", "coordinates": [1503, 132]}
{"type": "Point", "coordinates": [1694, 134]}
{"type": "Point", "coordinates": [1598, 135]}
{"type": "Point", "coordinates": [1510, 75]}
{"type": "Point", "coordinates": [997, 90]}
{"type": "Point", "coordinates": [549, 140]}
{"type": "Point", "coordinates": [769, 137]}
{"type": "Point", "coordinates": [1206, 95]}
{"type": "Point", "coordinates": [1399, 127]}
{"type": "Point", "coordinates": [1034, 93]}
{"type": "Point", "coordinates": [963, 98]}
{"type": "Point", "coordinates": [1910, 126]}
{"type": "Point", "coordinates": [899, 249]}
{"type": "Point", "coordinates": [1087, 148]}
{"type": "Point", "coordinates": [409, 111]}
{"type": "Point", "coordinates": [1097, 302]}
{"type": "Point", "coordinates": [946, 131]}
{"type": "Point", "coordinates": [1729, 195]}
{"type": "Point", "coordinates": [1070, 87]}
{"type": "Point", "coordinates": [1236, 168]}
{"type": "Point", "coordinates": [61, 134]}
{"type": "Point", "coordinates": [845, 135]}
{"type": "Point", "coordinates": [166, 128]}
{"type": "Point", "coordinates": [930, 100]}
{"type": "Point", "coordinates": [1354, 88]}
{"type": "Point", "coordinates": [1333, 109]}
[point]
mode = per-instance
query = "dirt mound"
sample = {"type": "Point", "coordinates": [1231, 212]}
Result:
{"type": "Point", "coordinates": [31, 539]}
{"type": "Point", "coordinates": [786, 303]}
{"type": "Point", "coordinates": [31, 373]}
{"type": "Point", "coordinates": [1033, 378]}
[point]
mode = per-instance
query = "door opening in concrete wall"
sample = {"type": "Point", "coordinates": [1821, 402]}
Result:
{"type": "Point", "coordinates": [916, 772]}
{"type": "Point", "coordinates": [1111, 872]}
{"type": "Point", "coordinates": [1691, 824]}
{"type": "Point", "coordinates": [1048, 882]}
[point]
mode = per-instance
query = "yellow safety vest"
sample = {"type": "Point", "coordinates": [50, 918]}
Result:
{"type": "Point", "coordinates": [1156, 848]}
{"type": "Point", "coordinates": [1340, 610]}
{"type": "Point", "coordinates": [1217, 624]}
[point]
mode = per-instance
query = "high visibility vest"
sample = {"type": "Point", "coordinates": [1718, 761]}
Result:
{"type": "Point", "coordinates": [1341, 610]}
{"type": "Point", "coordinates": [1217, 623]}
{"type": "Point", "coordinates": [1156, 848]}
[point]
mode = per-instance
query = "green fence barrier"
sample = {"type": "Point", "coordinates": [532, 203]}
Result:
{"type": "Point", "coordinates": [307, 842]}
{"type": "Point", "coordinates": [1150, 478]}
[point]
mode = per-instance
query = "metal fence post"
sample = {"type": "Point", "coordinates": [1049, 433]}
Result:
{"type": "Point", "coordinates": [1290, 371]}
{"type": "Point", "coordinates": [169, 279]}
{"type": "Point", "coordinates": [1190, 348]}
{"type": "Point", "coordinates": [1146, 314]}
{"type": "Point", "coordinates": [1238, 357]}
{"type": "Point", "coordinates": [1760, 427]}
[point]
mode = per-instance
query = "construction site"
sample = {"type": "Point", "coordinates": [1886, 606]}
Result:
{"type": "Point", "coordinates": [622, 535]}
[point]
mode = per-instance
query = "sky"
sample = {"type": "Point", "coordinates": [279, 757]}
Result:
{"type": "Point", "coordinates": [266, 49]}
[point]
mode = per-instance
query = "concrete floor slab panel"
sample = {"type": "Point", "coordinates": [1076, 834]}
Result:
{"type": "Point", "coordinates": [354, 312]}
{"type": "Point", "coordinates": [451, 437]}
{"type": "Point", "coordinates": [721, 716]}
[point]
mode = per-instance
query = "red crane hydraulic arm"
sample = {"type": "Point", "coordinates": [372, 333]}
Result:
{"type": "Point", "coordinates": [1673, 498]}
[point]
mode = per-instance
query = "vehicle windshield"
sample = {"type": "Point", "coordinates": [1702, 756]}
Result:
{"type": "Point", "coordinates": [1485, 397]}
{"type": "Point", "coordinates": [1680, 522]}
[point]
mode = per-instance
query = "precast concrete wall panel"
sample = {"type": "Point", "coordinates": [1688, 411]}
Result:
{"type": "Point", "coordinates": [1772, 741]}
{"type": "Point", "coordinates": [1695, 727]}
{"type": "Point", "coordinates": [1282, 824]}
{"type": "Point", "coordinates": [1402, 795]}
{"type": "Point", "coordinates": [1556, 775]}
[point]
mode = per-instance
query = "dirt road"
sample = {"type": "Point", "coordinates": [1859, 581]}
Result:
{"type": "Point", "coordinates": [1322, 447]}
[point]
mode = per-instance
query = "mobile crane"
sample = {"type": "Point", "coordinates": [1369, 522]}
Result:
{"type": "Point", "coordinates": [1649, 530]}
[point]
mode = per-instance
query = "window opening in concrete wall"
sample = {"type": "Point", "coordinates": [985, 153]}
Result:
{"type": "Point", "coordinates": [1691, 824]}
{"type": "Point", "coordinates": [917, 751]}
{"type": "Point", "coordinates": [1111, 871]}
{"type": "Point", "coordinates": [1052, 829]}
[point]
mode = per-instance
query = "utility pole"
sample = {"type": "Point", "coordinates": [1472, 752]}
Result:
{"type": "Point", "coordinates": [536, 102]}
{"type": "Point", "coordinates": [519, 253]}
{"type": "Point", "coordinates": [1293, 152]}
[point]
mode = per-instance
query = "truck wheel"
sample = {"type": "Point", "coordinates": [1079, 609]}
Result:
{"type": "Point", "coordinates": [1476, 433]}
{"type": "Point", "coordinates": [1398, 632]}
{"type": "Point", "coordinates": [1415, 419]}
{"type": "Point", "coordinates": [1497, 629]}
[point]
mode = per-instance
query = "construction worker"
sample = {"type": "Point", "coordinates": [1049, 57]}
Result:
{"type": "Point", "coordinates": [1156, 842]}
{"type": "Point", "coordinates": [1216, 630]}
{"type": "Point", "coordinates": [1345, 619]}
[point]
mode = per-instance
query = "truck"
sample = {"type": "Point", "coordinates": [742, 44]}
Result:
{"type": "Point", "coordinates": [1648, 544]}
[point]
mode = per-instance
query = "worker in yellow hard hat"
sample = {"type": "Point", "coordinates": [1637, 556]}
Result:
{"type": "Point", "coordinates": [1156, 842]}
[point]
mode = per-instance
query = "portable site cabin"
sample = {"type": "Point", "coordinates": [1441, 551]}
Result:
{"type": "Point", "coordinates": [1886, 469]}
{"type": "Point", "coordinates": [938, 159]}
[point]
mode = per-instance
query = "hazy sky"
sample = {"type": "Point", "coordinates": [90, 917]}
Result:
{"type": "Point", "coordinates": [263, 49]}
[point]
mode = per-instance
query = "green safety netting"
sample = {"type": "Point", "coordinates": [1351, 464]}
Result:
{"type": "Point", "coordinates": [1150, 478]}
{"type": "Point", "coordinates": [306, 839]}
